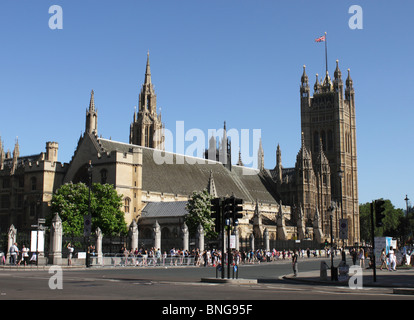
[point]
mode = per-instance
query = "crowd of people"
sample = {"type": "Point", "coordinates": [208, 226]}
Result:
{"type": "Point", "coordinates": [206, 258]}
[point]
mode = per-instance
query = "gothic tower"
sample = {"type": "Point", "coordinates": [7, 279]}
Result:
{"type": "Point", "coordinates": [147, 130]}
{"type": "Point", "coordinates": [328, 123]}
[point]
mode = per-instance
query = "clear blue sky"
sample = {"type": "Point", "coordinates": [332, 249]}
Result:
{"type": "Point", "coordinates": [211, 61]}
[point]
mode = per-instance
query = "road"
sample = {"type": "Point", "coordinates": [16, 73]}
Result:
{"type": "Point", "coordinates": [175, 283]}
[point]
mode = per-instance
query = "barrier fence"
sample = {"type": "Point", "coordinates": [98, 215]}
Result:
{"type": "Point", "coordinates": [117, 260]}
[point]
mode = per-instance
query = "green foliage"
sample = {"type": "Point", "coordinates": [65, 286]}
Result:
{"type": "Point", "coordinates": [199, 212]}
{"type": "Point", "coordinates": [393, 221]}
{"type": "Point", "coordinates": [71, 201]}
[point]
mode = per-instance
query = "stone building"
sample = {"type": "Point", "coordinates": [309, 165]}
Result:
{"type": "Point", "coordinates": [286, 203]}
{"type": "Point", "coordinates": [324, 179]}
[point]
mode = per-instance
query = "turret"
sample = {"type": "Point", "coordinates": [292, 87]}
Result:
{"type": "Point", "coordinates": [52, 151]}
{"type": "Point", "coordinates": [338, 84]}
{"type": "Point", "coordinates": [16, 154]}
{"type": "Point", "coordinates": [349, 90]}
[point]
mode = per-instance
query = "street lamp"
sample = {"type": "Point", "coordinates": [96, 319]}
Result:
{"type": "Point", "coordinates": [89, 220]}
{"type": "Point", "coordinates": [331, 209]}
{"type": "Point", "coordinates": [406, 204]}
{"type": "Point", "coordinates": [340, 174]}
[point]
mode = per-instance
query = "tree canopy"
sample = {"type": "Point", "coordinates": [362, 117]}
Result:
{"type": "Point", "coordinates": [393, 223]}
{"type": "Point", "coordinates": [199, 212]}
{"type": "Point", "coordinates": [71, 202]}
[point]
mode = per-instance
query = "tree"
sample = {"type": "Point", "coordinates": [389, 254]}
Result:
{"type": "Point", "coordinates": [71, 202]}
{"type": "Point", "coordinates": [392, 222]}
{"type": "Point", "coordinates": [199, 212]}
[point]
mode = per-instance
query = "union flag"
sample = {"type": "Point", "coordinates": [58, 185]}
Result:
{"type": "Point", "coordinates": [320, 39]}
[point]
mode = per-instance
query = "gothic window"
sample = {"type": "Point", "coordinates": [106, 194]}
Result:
{"type": "Point", "coordinates": [21, 181]}
{"type": "Point", "coordinates": [33, 182]}
{"type": "Point", "coordinates": [6, 182]}
{"type": "Point", "coordinates": [4, 204]}
{"type": "Point", "coordinates": [127, 202]}
{"type": "Point", "coordinates": [330, 140]}
{"type": "Point", "coordinates": [104, 176]}
{"type": "Point", "coordinates": [316, 141]}
{"type": "Point", "coordinates": [323, 137]}
{"type": "Point", "coordinates": [148, 102]}
{"type": "Point", "coordinates": [32, 209]}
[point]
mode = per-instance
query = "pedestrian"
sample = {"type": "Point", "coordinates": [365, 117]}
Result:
{"type": "Point", "coordinates": [14, 252]}
{"type": "Point", "coordinates": [392, 258]}
{"type": "Point", "coordinates": [362, 258]}
{"type": "Point", "coordinates": [25, 255]}
{"type": "Point", "coordinates": [70, 255]}
{"type": "Point", "coordinates": [354, 256]}
{"type": "Point", "coordinates": [383, 259]}
{"type": "Point", "coordinates": [295, 263]}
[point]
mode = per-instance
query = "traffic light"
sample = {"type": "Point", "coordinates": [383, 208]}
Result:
{"type": "Point", "coordinates": [216, 213]}
{"type": "Point", "coordinates": [379, 209]}
{"type": "Point", "coordinates": [237, 207]}
{"type": "Point", "coordinates": [228, 208]}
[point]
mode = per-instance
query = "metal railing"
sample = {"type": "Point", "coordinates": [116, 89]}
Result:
{"type": "Point", "coordinates": [119, 259]}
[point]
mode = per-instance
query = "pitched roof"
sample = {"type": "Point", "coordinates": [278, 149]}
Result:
{"type": "Point", "coordinates": [185, 174]}
{"type": "Point", "coordinates": [164, 209]}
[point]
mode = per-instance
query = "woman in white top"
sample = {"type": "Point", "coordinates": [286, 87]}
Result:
{"type": "Point", "coordinates": [25, 255]}
{"type": "Point", "coordinates": [362, 258]}
{"type": "Point", "coordinates": [392, 260]}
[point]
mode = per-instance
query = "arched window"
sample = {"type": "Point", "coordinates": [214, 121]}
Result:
{"type": "Point", "coordinates": [316, 141]}
{"type": "Point", "coordinates": [127, 202]}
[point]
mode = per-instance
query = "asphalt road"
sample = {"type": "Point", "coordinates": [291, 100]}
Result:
{"type": "Point", "coordinates": [166, 284]}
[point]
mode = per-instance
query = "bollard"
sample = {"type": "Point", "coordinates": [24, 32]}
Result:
{"type": "Point", "coordinates": [323, 271]}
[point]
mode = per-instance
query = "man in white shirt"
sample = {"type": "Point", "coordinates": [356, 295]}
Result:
{"type": "Point", "coordinates": [14, 251]}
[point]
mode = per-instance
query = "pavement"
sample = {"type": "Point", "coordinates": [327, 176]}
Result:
{"type": "Point", "coordinates": [402, 280]}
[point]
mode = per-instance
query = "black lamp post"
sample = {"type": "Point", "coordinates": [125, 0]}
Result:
{"type": "Point", "coordinates": [331, 209]}
{"type": "Point", "coordinates": [340, 174]}
{"type": "Point", "coordinates": [89, 214]}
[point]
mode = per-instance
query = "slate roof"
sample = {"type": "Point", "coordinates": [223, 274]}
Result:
{"type": "Point", "coordinates": [164, 209]}
{"type": "Point", "coordinates": [182, 176]}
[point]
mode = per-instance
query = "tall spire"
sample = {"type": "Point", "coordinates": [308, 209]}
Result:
{"type": "Point", "coordinates": [16, 154]}
{"type": "Point", "coordinates": [91, 125]}
{"type": "Point", "coordinates": [148, 71]}
{"type": "Point", "coordinates": [211, 188]}
{"type": "Point", "coordinates": [92, 102]}
{"type": "Point", "coordinates": [260, 156]}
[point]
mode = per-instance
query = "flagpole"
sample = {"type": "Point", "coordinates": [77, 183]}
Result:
{"type": "Point", "coordinates": [326, 52]}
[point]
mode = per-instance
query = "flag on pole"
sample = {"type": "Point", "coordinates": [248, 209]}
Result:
{"type": "Point", "coordinates": [321, 39]}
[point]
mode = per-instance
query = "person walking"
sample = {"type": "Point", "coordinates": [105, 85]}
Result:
{"type": "Point", "coordinates": [70, 254]}
{"type": "Point", "coordinates": [362, 258]}
{"type": "Point", "coordinates": [383, 259]}
{"type": "Point", "coordinates": [14, 252]}
{"type": "Point", "coordinates": [25, 255]}
{"type": "Point", "coordinates": [295, 263]}
{"type": "Point", "coordinates": [392, 258]}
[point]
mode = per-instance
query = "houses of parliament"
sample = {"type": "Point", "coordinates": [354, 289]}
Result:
{"type": "Point", "coordinates": [287, 203]}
